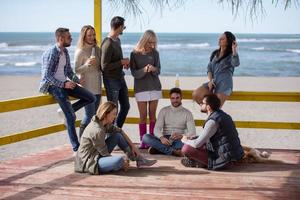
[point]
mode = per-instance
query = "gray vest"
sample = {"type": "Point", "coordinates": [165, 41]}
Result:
{"type": "Point", "coordinates": [224, 146]}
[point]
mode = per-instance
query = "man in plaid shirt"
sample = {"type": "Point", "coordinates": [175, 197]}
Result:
{"type": "Point", "coordinates": [59, 80]}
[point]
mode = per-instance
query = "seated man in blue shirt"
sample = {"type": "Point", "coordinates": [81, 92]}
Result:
{"type": "Point", "coordinates": [59, 80]}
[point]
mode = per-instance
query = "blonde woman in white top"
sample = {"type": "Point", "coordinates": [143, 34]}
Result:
{"type": "Point", "coordinates": [87, 66]}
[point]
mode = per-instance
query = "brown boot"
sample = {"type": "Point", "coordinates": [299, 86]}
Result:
{"type": "Point", "coordinates": [177, 153]}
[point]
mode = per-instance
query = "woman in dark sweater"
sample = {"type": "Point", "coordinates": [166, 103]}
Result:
{"type": "Point", "coordinates": [145, 68]}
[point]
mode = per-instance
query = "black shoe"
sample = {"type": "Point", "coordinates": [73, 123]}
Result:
{"type": "Point", "coordinates": [187, 162]}
{"type": "Point", "coordinates": [152, 150]}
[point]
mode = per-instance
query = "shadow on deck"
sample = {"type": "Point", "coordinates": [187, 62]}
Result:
{"type": "Point", "coordinates": [50, 175]}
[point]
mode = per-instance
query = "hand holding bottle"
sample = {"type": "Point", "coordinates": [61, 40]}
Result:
{"type": "Point", "coordinates": [91, 61]}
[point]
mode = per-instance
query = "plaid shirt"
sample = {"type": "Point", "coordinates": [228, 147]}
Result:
{"type": "Point", "coordinates": [49, 68]}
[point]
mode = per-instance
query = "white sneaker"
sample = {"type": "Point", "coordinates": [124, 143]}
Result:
{"type": "Point", "coordinates": [62, 116]}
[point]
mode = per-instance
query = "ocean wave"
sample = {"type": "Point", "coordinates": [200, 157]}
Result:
{"type": "Point", "coordinates": [200, 45]}
{"type": "Point", "coordinates": [275, 50]}
{"type": "Point", "coordinates": [128, 46]}
{"type": "Point", "coordinates": [28, 48]}
{"type": "Point", "coordinates": [26, 64]}
{"type": "Point", "coordinates": [293, 50]}
{"type": "Point", "coordinates": [160, 46]}
{"type": "Point", "coordinates": [3, 45]}
{"type": "Point", "coordinates": [184, 46]}
{"type": "Point", "coordinates": [259, 48]}
{"type": "Point", "coordinates": [11, 48]}
{"type": "Point", "coordinates": [170, 46]}
{"type": "Point", "coordinates": [173, 46]}
{"type": "Point", "coordinates": [15, 54]}
{"type": "Point", "coordinates": [266, 40]}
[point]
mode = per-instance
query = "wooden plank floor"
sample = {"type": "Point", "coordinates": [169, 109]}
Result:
{"type": "Point", "coordinates": [49, 175]}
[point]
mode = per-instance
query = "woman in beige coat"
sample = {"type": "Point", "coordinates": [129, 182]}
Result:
{"type": "Point", "coordinates": [87, 66]}
{"type": "Point", "coordinates": [98, 141]}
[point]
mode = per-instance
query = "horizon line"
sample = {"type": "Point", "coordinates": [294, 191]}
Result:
{"type": "Point", "coordinates": [158, 32]}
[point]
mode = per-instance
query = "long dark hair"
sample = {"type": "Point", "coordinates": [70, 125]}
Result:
{"type": "Point", "coordinates": [230, 39]}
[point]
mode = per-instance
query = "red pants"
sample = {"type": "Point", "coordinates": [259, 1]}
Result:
{"type": "Point", "coordinates": [198, 154]}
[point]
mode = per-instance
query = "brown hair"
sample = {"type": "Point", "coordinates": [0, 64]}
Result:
{"type": "Point", "coordinates": [175, 90]}
{"type": "Point", "coordinates": [60, 32]}
{"type": "Point", "coordinates": [104, 109]}
{"type": "Point", "coordinates": [84, 29]}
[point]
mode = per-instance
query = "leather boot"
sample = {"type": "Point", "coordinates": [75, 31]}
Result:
{"type": "Point", "coordinates": [151, 128]}
{"type": "Point", "coordinates": [143, 130]}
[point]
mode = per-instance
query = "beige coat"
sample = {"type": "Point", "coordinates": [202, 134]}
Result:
{"type": "Point", "coordinates": [90, 74]}
{"type": "Point", "coordinates": [92, 145]}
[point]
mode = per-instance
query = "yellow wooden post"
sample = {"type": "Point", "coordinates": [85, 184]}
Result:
{"type": "Point", "coordinates": [98, 19]}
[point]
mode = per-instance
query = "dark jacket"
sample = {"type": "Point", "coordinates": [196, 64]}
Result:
{"type": "Point", "coordinates": [224, 146]}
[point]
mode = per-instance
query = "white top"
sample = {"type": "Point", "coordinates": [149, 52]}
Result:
{"type": "Point", "coordinates": [175, 119]}
{"type": "Point", "coordinates": [60, 74]}
{"type": "Point", "coordinates": [90, 74]}
{"type": "Point", "coordinates": [209, 130]}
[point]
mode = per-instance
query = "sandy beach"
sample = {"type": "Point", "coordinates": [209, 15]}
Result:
{"type": "Point", "coordinates": [24, 86]}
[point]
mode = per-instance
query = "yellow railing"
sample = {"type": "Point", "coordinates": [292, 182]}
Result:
{"type": "Point", "coordinates": [30, 102]}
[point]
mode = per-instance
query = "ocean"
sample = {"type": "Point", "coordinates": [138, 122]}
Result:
{"type": "Point", "coordinates": [186, 54]}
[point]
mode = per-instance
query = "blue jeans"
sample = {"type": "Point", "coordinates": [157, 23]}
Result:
{"type": "Point", "coordinates": [61, 96]}
{"type": "Point", "coordinates": [90, 110]}
{"type": "Point", "coordinates": [113, 163]}
{"type": "Point", "coordinates": [117, 91]}
{"type": "Point", "coordinates": [155, 142]}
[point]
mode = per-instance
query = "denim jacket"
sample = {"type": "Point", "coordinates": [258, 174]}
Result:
{"type": "Point", "coordinates": [50, 61]}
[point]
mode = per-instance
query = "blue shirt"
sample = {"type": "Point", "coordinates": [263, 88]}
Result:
{"type": "Point", "coordinates": [50, 61]}
{"type": "Point", "coordinates": [222, 71]}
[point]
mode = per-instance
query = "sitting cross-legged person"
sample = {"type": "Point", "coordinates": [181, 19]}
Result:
{"type": "Point", "coordinates": [219, 144]}
{"type": "Point", "coordinates": [172, 123]}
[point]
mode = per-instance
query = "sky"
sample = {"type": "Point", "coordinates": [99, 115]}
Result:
{"type": "Point", "coordinates": [194, 16]}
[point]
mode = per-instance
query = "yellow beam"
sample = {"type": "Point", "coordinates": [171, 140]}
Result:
{"type": "Point", "coordinates": [8, 139]}
{"type": "Point", "coordinates": [30, 102]}
{"type": "Point", "coordinates": [98, 19]}
{"type": "Point", "coordinates": [266, 96]}
{"type": "Point", "coordinates": [268, 125]}
{"type": "Point", "coordinates": [243, 124]}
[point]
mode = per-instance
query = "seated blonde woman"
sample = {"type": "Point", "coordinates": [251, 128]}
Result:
{"type": "Point", "coordinates": [98, 141]}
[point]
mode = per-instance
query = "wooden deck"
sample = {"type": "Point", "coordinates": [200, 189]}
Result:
{"type": "Point", "coordinates": [49, 175]}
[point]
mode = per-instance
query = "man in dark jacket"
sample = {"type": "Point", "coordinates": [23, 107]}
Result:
{"type": "Point", "coordinates": [219, 144]}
